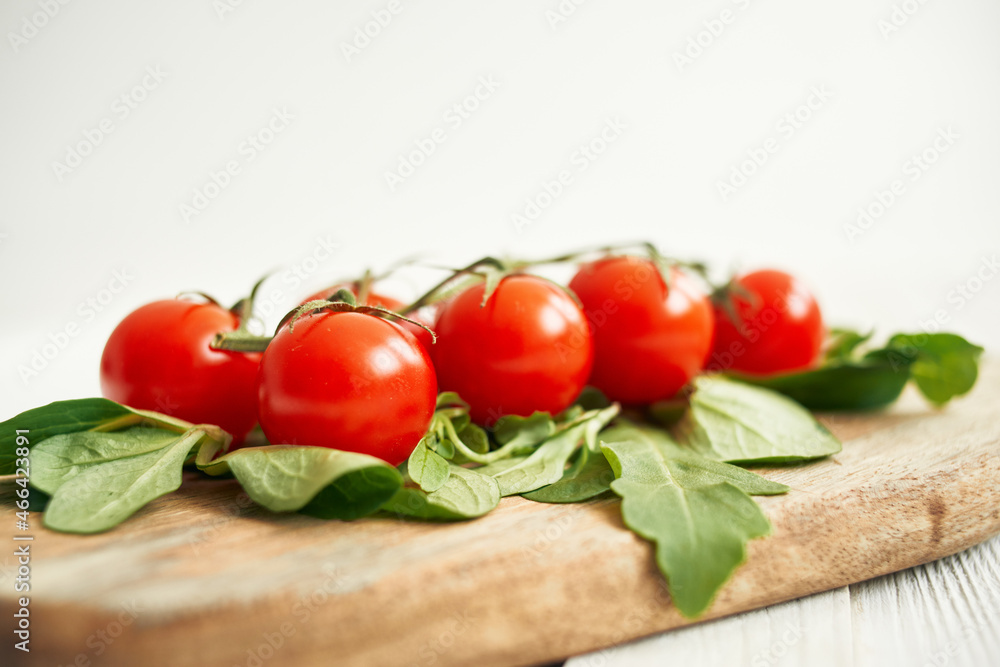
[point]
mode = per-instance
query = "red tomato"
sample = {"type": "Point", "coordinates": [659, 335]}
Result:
{"type": "Point", "coordinates": [649, 341]}
{"type": "Point", "coordinates": [349, 381]}
{"type": "Point", "coordinates": [781, 328]}
{"type": "Point", "coordinates": [528, 349]}
{"type": "Point", "coordinates": [387, 302]}
{"type": "Point", "coordinates": [158, 358]}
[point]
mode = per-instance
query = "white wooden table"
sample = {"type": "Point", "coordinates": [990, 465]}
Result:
{"type": "Point", "coordinates": [943, 613]}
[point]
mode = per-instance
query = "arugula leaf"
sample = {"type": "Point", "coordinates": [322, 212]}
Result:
{"type": "Point", "coordinates": [740, 423]}
{"type": "Point", "coordinates": [546, 464]}
{"type": "Point", "coordinates": [319, 481]}
{"type": "Point", "coordinates": [101, 495]}
{"type": "Point", "coordinates": [467, 494]}
{"type": "Point", "coordinates": [427, 468]}
{"type": "Point", "coordinates": [944, 365]}
{"type": "Point", "coordinates": [700, 530]}
{"type": "Point", "coordinates": [55, 419]}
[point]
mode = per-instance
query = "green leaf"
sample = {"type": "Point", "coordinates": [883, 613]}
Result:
{"type": "Point", "coordinates": [842, 343]}
{"type": "Point", "coordinates": [547, 463]}
{"type": "Point", "coordinates": [319, 481]}
{"type": "Point", "coordinates": [589, 476]}
{"type": "Point", "coordinates": [467, 494]}
{"type": "Point", "coordinates": [700, 531]}
{"type": "Point", "coordinates": [427, 468]}
{"type": "Point", "coordinates": [475, 438]}
{"type": "Point", "coordinates": [55, 419]}
{"type": "Point", "coordinates": [689, 468]}
{"type": "Point", "coordinates": [495, 468]}
{"type": "Point", "coordinates": [450, 399]}
{"type": "Point", "coordinates": [102, 495]}
{"type": "Point", "coordinates": [591, 398]}
{"type": "Point", "coordinates": [862, 385]}
{"type": "Point", "coordinates": [740, 423]}
{"type": "Point", "coordinates": [945, 365]}
{"type": "Point", "coordinates": [524, 432]}
{"type": "Point", "coordinates": [60, 458]}
{"type": "Point", "coordinates": [521, 442]}
{"type": "Point", "coordinates": [942, 365]}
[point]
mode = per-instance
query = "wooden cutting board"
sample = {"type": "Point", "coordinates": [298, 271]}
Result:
{"type": "Point", "coordinates": [203, 577]}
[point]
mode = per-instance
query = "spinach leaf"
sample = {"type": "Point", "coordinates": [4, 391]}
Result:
{"type": "Point", "coordinates": [55, 419]}
{"type": "Point", "coordinates": [842, 343]}
{"type": "Point", "coordinates": [524, 432]}
{"type": "Point", "coordinates": [101, 495]}
{"type": "Point", "coordinates": [740, 423]}
{"type": "Point", "coordinates": [689, 468]}
{"type": "Point", "coordinates": [427, 468]}
{"type": "Point", "coordinates": [700, 530]}
{"type": "Point", "coordinates": [943, 365]}
{"type": "Point", "coordinates": [60, 458]}
{"type": "Point", "coordinates": [546, 464]}
{"type": "Point", "coordinates": [589, 476]}
{"type": "Point", "coordinates": [465, 495]}
{"type": "Point", "coordinates": [858, 385]}
{"type": "Point", "coordinates": [322, 482]}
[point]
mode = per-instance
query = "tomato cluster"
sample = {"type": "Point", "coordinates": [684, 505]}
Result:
{"type": "Point", "coordinates": [353, 377]}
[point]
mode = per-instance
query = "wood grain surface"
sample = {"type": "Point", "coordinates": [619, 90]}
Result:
{"type": "Point", "coordinates": [203, 577]}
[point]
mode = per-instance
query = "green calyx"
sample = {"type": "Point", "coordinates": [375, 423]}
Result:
{"type": "Point", "coordinates": [345, 302]}
{"type": "Point", "coordinates": [242, 339]}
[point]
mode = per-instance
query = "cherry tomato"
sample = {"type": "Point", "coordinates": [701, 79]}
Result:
{"type": "Point", "coordinates": [528, 349]}
{"type": "Point", "coordinates": [389, 303]}
{"type": "Point", "coordinates": [780, 327]}
{"type": "Point", "coordinates": [158, 358]}
{"type": "Point", "coordinates": [649, 340]}
{"type": "Point", "coordinates": [349, 381]}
